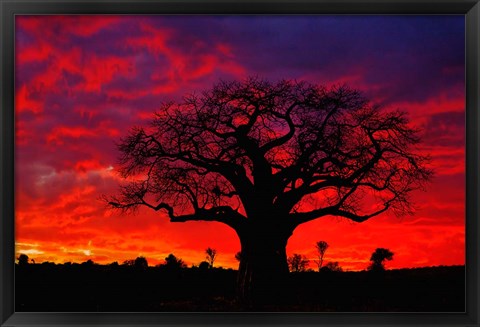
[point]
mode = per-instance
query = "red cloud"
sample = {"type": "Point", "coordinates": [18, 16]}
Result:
{"type": "Point", "coordinates": [440, 104]}
{"type": "Point", "coordinates": [59, 133]}
{"type": "Point", "coordinates": [25, 102]}
{"type": "Point", "coordinates": [39, 51]}
{"type": "Point", "coordinates": [154, 41]}
{"type": "Point", "coordinates": [64, 25]}
{"type": "Point", "coordinates": [88, 25]}
{"type": "Point", "coordinates": [87, 165]}
{"type": "Point", "coordinates": [91, 71]}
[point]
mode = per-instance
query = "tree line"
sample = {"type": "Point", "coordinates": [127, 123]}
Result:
{"type": "Point", "coordinates": [170, 262]}
{"type": "Point", "coordinates": [296, 263]}
{"type": "Point", "coordinates": [299, 263]}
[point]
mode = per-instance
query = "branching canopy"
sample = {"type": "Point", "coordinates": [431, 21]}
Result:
{"type": "Point", "coordinates": [256, 150]}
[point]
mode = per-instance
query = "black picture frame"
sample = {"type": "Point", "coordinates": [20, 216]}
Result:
{"type": "Point", "coordinates": [10, 8]}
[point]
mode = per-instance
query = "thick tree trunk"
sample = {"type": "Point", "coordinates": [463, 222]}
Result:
{"type": "Point", "coordinates": [263, 270]}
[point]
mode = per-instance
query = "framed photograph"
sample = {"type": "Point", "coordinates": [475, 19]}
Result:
{"type": "Point", "coordinates": [225, 162]}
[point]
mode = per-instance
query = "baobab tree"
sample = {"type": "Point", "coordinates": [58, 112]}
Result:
{"type": "Point", "coordinates": [265, 157]}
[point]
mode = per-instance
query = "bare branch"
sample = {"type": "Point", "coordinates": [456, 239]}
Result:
{"type": "Point", "coordinates": [265, 149]}
{"type": "Point", "coordinates": [222, 214]}
{"type": "Point", "coordinates": [303, 217]}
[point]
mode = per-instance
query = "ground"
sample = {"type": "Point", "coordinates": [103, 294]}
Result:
{"type": "Point", "coordinates": [93, 288]}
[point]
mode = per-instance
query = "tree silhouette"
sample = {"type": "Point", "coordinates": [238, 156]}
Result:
{"type": "Point", "coordinates": [140, 263]}
{"type": "Point", "coordinates": [378, 257]}
{"type": "Point", "coordinates": [211, 255]}
{"type": "Point", "coordinates": [297, 263]}
{"type": "Point", "coordinates": [204, 265]}
{"type": "Point", "coordinates": [264, 158]}
{"type": "Point", "coordinates": [173, 263]}
{"type": "Point", "coordinates": [321, 247]}
{"type": "Point", "coordinates": [22, 260]}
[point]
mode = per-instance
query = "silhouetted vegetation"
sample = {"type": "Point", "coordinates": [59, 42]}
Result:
{"type": "Point", "coordinates": [266, 148]}
{"type": "Point", "coordinates": [204, 265]}
{"type": "Point", "coordinates": [321, 247]}
{"type": "Point", "coordinates": [173, 263]}
{"type": "Point", "coordinates": [378, 258]}
{"type": "Point", "coordinates": [113, 287]}
{"type": "Point", "coordinates": [211, 256]}
{"type": "Point", "coordinates": [22, 260]}
{"type": "Point", "coordinates": [297, 263]}
{"type": "Point", "coordinates": [139, 263]}
{"type": "Point", "coordinates": [332, 266]}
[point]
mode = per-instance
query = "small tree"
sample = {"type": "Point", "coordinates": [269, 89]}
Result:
{"type": "Point", "coordinates": [321, 247]}
{"type": "Point", "coordinates": [172, 262]}
{"type": "Point", "coordinates": [378, 257]}
{"type": "Point", "coordinates": [297, 263]}
{"type": "Point", "coordinates": [141, 263]}
{"type": "Point", "coordinates": [211, 255]}
{"type": "Point", "coordinates": [203, 265]}
{"type": "Point", "coordinates": [22, 260]}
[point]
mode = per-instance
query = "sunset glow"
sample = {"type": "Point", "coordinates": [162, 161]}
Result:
{"type": "Point", "coordinates": [81, 82]}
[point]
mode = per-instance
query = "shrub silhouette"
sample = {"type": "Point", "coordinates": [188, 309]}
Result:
{"type": "Point", "coordinates": [22, 260]}
{"type": "Point", "coordinates": [141, 263]}
{"type": "Point", "coordinates": [204, 265]}
{"type": "Point", "coordinates": [332, 266]}
{"type": "Point", "coordinates": [173, 263]}
{"type": "Point", "coordinates": [378, 257]}
{"type": "Point", "coordinates": [297, 263]}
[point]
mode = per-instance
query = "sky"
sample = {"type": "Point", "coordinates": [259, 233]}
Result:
{"type": "Point", "coordinates": [81, 82]}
